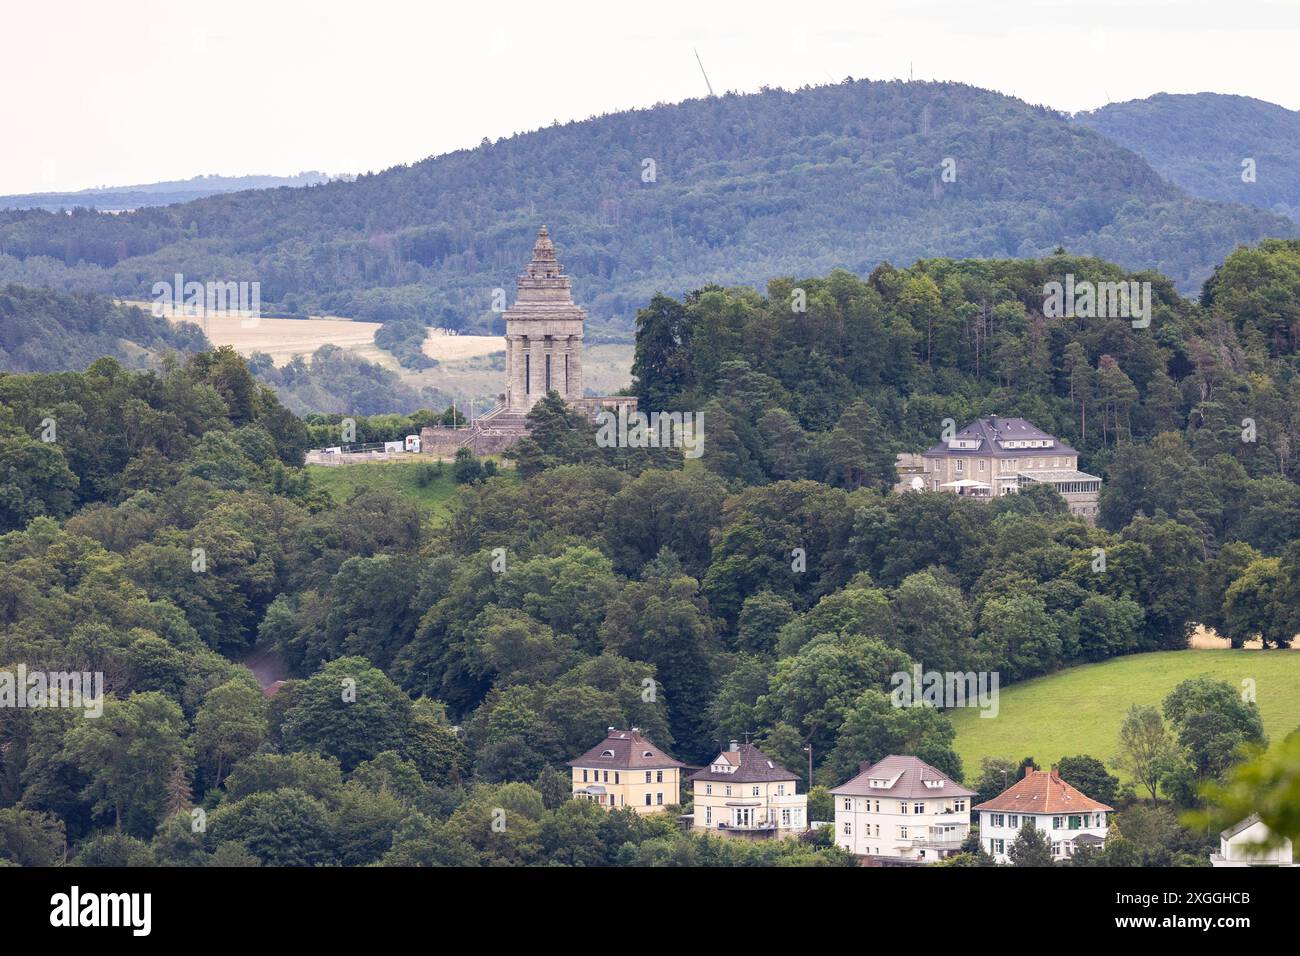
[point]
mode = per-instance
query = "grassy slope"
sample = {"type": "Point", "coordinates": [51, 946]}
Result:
{"type": "Point", "coordinates": [342, 480]}
{"type": "Point", "coordinates": [1079, 710]}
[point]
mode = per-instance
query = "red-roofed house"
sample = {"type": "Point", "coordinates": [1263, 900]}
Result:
{"type": "Point", "coordinates": [1066, 816]}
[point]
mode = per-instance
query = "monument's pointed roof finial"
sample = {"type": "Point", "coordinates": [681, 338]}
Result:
{"type": "Point", "coordinates": [544, 262]}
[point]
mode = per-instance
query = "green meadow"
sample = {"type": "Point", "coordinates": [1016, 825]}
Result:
{"type": "Point", "coordinates": [1079, 710]}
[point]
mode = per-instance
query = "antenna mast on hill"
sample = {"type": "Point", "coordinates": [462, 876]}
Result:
{"type": "Point", "coordinates": [706, 76]}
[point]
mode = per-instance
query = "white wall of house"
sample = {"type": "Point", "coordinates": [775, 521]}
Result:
{"type": "Point", "coordinates": [1237, 850]}
{"type": "Point", "coordinates": [999, 830]}
{"type": "Point", "coordinates": [878, 826]}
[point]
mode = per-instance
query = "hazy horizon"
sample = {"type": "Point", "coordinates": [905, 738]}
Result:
{"type": "Point", "coordinates": [142, 92]}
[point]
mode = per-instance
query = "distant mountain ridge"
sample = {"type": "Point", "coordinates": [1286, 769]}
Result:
{"type": "Point", "coordinates": [1201, 140]}
{"type": "Point", "coordinates": [735, 189]}
{"type": "Point", "coordinates": [122, 198]}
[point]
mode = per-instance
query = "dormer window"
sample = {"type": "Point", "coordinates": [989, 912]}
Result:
{"type": "Point", "coordinates": [647, 753]}
{"type": "Point", "coordinates": [607, 753]}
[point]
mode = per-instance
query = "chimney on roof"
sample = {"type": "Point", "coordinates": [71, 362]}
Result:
{"type": "Point", "coordinates": [610, 731]}
{"type": "Point", "coordinates": [1029, 768]}
{"type": "Point", "coordinates": [735, 745]}
{"type": "Point", "coordinates": [993, 420]}
{"type": "Point", "coordinates": [636, 730]}
{"type": "Point", "coordinates": [1056, 776]}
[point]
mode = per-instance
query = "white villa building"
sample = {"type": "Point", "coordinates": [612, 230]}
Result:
{"type": "Point", "coordinates": [1066, 816]}
{"type": "Point", "coordinates": [1243, 845]}
{"type": "Point", "coordinates": [743, 792]}
{"type": "Point", "coordinates": [1001, 456]}
{"type": "Point", "coordinates": [903, 809]}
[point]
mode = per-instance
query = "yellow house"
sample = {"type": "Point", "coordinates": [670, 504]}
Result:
{"type": "Point", "coordinates": [627, 770]}
{"type": "Point", "coordinates": [743, 792]}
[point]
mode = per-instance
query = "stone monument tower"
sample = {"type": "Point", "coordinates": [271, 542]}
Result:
{"type": "Point", "coordinates": [543, 333]}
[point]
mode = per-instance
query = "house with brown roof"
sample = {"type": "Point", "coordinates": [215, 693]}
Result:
{"type": "Point", "coordinates": [1001, 456]}
{"type": "Point", "coordinates": [902, 809]}
{"type": "Point", "coordinates": [1065, 815]}
{"type": "Point", "coordinates": [627, 770]}
{"type": "Point", "coordinates": [743, 792]}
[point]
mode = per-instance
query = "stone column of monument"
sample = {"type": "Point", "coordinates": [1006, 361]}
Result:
{"type": "Point", "coordinates": [543, 315]}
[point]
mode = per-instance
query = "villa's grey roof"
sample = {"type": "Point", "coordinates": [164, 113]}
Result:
{"type": "Point", "coordinates": [1245, 824]}
{"type": "Point", "coordinates": [992, 432]}
{"type": "Point", "coordinates": [908, 775]}
{"type": "Point", "coordinates": [1090, 839]}
{"type": "Point", "coordinates": [752, 766]}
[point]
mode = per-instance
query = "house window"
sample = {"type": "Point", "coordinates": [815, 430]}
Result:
{"type": "Point", "coordinates": [982, 463]}
{"type": "Point", "coordinates": [584, 776]}
{"type": "Point", "coordinates": [780, 790]}
{"type": "Point", "coordinates": [848, 828]}
{"type": "Point", "coordinates": [902, 833]}
{"type": "Point", "coordinates": [785, 818]}
{"type": "Point", "coordinates": [708, 789]}
{"type": "Point", "coordinates": [1057, 823]}
{"type": "Point", "coordinates": [647, 799]}
{"type": "Point", "coordinates": [959, 806]}
{"type": "Point", "coordinates": [708, 816]}
{"type": "Point", "coordinates": [997, 820]}
{"type": "Point", "coordinates": [1013, 821]}
{"type": "Point", "coordinates": [960, 465]}
{"type": "Point", "coordinates": [606, 776]}
{"type": "Point", "coordinates": [848, 804]}
{"type": "Point", "coordinates": [659, 776]}
{"type": "Point", "coordinates": [726, 791]}
{"type": "Point", "coordinates": [902, 807]}
{"type": "Point", "coordinates": [647, 776]}
{"type": "Point", "coordinates": [919, 807]}
{"type": "Point", "coordinates": [755, 791]}
{"type": "Point", "coordinates": [659, 798]}
{"type": "Point", "coordinates": [877, 806]}
{"type": "Point", "coordinates": [997, 846]}
{"type": "Point", "coordinates": [1076, 823]}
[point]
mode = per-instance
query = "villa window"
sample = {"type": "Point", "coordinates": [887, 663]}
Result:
{"type": "Point", "coordinates": [659, 798]}
{"type": "Point", "coordinates": [659, 776]}
{"type": "Point", "coordinates": [1013, 821]}
{"type": "Point", "coordinates": [708, 816]}
{"type": "Point", "coordinates": [919, 807]}
{"type": "Point", "coordinates": [902, 807]}
{"type": "Point", "coordinates": [606, 776]}
{"type": "Point", "coordinates": [1076, 823]}
{"type": "Point", "coordinates": [780, 790]}
{"type": "Point", "coordinates": [584, 776]}
{"type": "Point", "coordinates": [959, 806]}
{"type": "Point", "coordinates": [997, 820]}
{"type": "Point", "coordinates": [647, 776]}
{"type": "Point", "coordinates": [1058, 823]}
{"type": "Point", "coordinates": [616, 776]}
{"type": "Point", "coordinates": [902, 833]}
{"type": "Point", "coordinates": [647, 799]}
{"type": "Point", "coordinates": [726, 791]}
{"type": "Point", "coordinates": [708, 789]}
{"type": "Point", "coordinates": [756, 791]}
{"type": "Point", "coordinates": [960, 465]}
{"type": "Point", "coordinates": [848, 828]}
{"type": "Point", "coordinates": [848, 804]}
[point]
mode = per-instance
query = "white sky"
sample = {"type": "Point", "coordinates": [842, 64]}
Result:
{"type": "Point", "coordinates": [115, 92]}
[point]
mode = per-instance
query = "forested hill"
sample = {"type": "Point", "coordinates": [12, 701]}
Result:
{"type": "Point", "coordinates": [742, 188]}
{"type": "Point", "coordinates": [46, 331]}
{"type": "Point", "coordinates": [1199, 141]}
{"type": "Point", "coordinates": [117, 198]}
